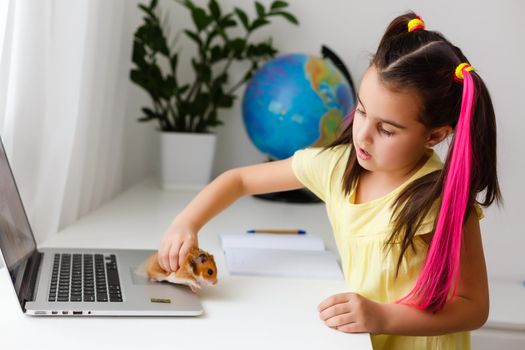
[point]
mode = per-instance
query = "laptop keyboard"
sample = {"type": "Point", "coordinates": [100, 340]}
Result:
{"type": "Point", "coordinates": [85, 277]}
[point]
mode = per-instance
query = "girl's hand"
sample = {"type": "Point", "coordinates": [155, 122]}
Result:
{"type": "Point", "coordinates": [175, 245]}
{"type": "Point", "coordinates": [351, 313]}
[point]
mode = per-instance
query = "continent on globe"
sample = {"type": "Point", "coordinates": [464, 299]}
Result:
{"type": "Point", "coordinates": [295, 101]}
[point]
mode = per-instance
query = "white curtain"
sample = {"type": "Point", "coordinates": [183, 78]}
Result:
{"type": "Point", "coordinates": [63, 74]}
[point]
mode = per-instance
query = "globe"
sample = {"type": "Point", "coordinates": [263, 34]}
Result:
{"type": "Point", "coordinates": [294, 101]}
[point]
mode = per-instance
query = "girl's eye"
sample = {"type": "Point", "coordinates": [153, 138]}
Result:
{"type": "Point", "coordinates": [387, 133]}
{"type": "Point", "coordinates": [381, 130]}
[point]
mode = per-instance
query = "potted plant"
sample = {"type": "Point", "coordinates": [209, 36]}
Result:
{"type": "Point", "coordinates": [187, 112]}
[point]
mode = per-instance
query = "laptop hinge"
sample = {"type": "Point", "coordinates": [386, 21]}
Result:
{"type": "Point", "coordinates": [28, 287]}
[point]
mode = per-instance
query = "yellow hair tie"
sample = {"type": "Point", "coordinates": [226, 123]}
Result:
{"type": "Point", "coordinates": [416, 23]}
{"type": "Point", "coordinates": [459, 71]}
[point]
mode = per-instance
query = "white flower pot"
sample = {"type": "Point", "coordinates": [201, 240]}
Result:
{"type": "Point", "coordinates": [186, 159]}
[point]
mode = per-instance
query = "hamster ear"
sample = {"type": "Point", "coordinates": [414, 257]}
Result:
{"type": "Point", "coordinates": [202, 258]}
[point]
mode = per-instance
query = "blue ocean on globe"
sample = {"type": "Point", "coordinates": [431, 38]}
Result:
{"type": "Point", "coordinates": [295, 101]}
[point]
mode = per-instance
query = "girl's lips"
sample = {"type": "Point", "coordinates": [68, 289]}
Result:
{"type": "Point", "coordinates": [361, 153]}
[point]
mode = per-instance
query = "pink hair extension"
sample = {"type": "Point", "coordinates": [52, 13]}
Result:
{"type": "Point", "coordinates": [441, 269]}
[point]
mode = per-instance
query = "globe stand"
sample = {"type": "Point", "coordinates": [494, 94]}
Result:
{"type": "Point", "coordinates": [295, 196]}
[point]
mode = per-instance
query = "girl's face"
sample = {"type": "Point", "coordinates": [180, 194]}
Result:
{"type": "Point", "coordinates": [387, 135]}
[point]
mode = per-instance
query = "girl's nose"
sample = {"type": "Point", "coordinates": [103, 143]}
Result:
{"type": "Point", "coordinates": [364, 136]}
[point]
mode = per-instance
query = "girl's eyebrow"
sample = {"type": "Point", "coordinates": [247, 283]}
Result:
{"type": "Point", "coordinates": [391, 122]}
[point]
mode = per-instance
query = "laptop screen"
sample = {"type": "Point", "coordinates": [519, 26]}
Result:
{"type": "Point", "coordinates": [16, 238]}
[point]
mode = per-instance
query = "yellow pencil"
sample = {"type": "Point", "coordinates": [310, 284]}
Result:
{"type": "Point", "coordinates": [292, 232]}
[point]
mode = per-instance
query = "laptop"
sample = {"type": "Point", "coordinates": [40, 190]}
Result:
{"type": "Point", "coordinates": [79, 282]}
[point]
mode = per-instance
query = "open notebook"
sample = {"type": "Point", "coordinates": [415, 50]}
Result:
{"type": "Point", "coordinates": [302, 256]}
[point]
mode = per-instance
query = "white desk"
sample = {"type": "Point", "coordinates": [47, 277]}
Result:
{"type": "Point", "coordinates": [505, 328]}
{"type": "Point", "coordinates": [239, 312]}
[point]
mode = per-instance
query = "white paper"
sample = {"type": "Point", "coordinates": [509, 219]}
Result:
{"type": "Point", "coordinates": [282, 263]}
{"type": "Point", "coordinates": [301, 256]}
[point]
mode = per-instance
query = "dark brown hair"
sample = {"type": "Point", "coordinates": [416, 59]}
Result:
{"type": "Point", "coordinates": [424, 62]}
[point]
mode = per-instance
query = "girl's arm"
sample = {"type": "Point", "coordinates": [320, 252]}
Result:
{"type": "Point", "coordinates": [467, 311]}
{"type": "Point", "coordinates": [351, 312]}
{"type": "Point", "coordinates": [219, 194]}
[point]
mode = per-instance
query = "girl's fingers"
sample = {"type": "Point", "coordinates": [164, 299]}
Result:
{"type": "Point", "coordinates": [187, 244]}
{"type": "Point", "coordinates": [184, 250]}
{"type": "Point", "coordinates": [162, 256]}
{"type": "Point", "coordinates": [333, 311]}
{"type": "Point", "coordinates": [339, 320]}
{"type": "Point", "coordinates": [333, 300]}
{"type": "Point", "coordinates": [352, 328]}
{"type": "Point", "coordinates": [174, 256]}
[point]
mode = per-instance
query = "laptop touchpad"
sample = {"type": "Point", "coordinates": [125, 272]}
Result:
{"type": "Point", "coordinates": [138, 275]}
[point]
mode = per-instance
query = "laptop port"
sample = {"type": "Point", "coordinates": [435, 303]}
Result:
{"type": "Point", "coordinates": [77, 312]}
{"type": "Point", "coordinates": [64, 312]}
{"type": "Point", "coordinates": [54, 312]}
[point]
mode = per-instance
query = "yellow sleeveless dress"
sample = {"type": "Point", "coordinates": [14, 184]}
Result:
{"type": "Point", "coordinates": [360, 232]}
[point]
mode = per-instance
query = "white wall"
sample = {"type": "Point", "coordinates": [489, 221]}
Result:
{"type": "Point", "coordinates": [491, 34]}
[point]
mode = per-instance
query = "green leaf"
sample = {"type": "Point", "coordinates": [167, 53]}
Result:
{"type": "Point", "coordinates": [248, 75]}
{"type": "Point", "coordinates": [211, 36]}
{"type": "Point", "coordinates": [174, 60]}
{"type": "Point", "coordinates": [260, 50]}
{"type": "Point", "coordinates": [217, 86]}
{"type": "Point", "coordinates": [138, 77]}
{"type": "Point", "coordinates": [187, 3]}
{"type": "Point", "coordinates": [147, 10]}
{"type": "Point", "coordinates": [138, 53]}
{"type": "Point", "coordinates": [260, 9]}
{"type": "Point", "coordinates": [227, 22]}
{"type": "Point", "coordinates": [278, 4]}
{"type": "Point", "coordinates": [200, 103]}
{"type": "Point", "coordinates": [149, 113]}
{"type": "Point", "coordinates": [144, 119]}
{"type": "Point", "coordinates": [168, 87]}
{"type": "Point", "coordinates": [181, 90]}
{"type": "Point", "coordinates": [212, 116]}
{"type": "Point", "coordinates": [149, 77]}
{"type": "Point", "coordinates": [259, 22]}
{"type": "Point", "coordinates": [243, 17]}
{"type": "Point", "coordinates": [222, 79]}
{"type": "Point", "coordinates": [200, 18]}
{"type": "Point", "coordinates": [216, 54]}
{"type": "Point", "coordinates": [152, 37]}
{"type": "Point", "coordinates": [237, 46]}
{"type": "Point", "coordinates": [203, 71]}
{"type": "Point", "coordinates": [193, 36]}
{"type": "Point", "coordinates": [212, 119]}
{"type": "Point", "coordinates": [226, 101]}
{"type": "Point", "coordinates": [288, 16]}
{"type": "Point", "coordinates": [226, 51]}
{"type": "Point", "coordinates": [206, 72]}
{"type": "Point", "coordinates": [215, 10]}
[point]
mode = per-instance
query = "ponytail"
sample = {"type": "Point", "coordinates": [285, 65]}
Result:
{"type": "Point", "coordinates": [441, 269]}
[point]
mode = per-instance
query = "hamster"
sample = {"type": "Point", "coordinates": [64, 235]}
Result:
{"type": "Point", "coordinates": [198, 268]}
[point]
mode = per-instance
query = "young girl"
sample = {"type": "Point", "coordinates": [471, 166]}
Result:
{"type": "Point", "coordinates": [406, 225]}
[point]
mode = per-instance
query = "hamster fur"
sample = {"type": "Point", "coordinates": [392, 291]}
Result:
{"type": "Point", "coordinates": [198, 268]}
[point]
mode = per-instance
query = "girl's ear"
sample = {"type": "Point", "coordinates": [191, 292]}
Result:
{"type": "Point", "coordinates": [437, 135]}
